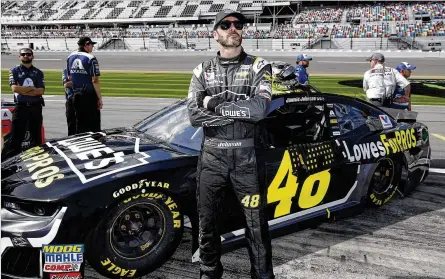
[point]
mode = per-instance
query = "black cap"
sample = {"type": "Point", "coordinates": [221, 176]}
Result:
{"type": "Point", "coordinates": [226, 13]}
{"type": "Point", "coordinates": [26, 50]}
{"type": "Point", "coordinates": [85, 40]}
{"type": "Point", "coordinates": [377, 56]}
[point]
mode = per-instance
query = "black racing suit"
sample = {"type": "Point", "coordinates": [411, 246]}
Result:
{"type": "Point", "coordinates": [227, 156]}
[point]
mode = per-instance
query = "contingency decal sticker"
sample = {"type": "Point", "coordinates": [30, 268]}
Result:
{"type": "Point", "coordinates": [63, 261]}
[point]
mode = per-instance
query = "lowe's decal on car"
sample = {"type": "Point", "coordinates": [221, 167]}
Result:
{"type": "Point", "coordinates": [402, 140]}
{"type": "Point", "coordinates": [38, 164]}
{"type": "Point", "coordinates": [94, 155]}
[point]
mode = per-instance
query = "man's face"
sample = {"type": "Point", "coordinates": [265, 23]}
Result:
{"type": "Point", "coordinates": [26, 57]}
{"type": "Point", "coordinates": [89, 48]}
{"type": "Point", "coordinates": [406, 73]}
{"type": "Point", "coordinates": [229, 32]}
{"type": "Point", "coordinates": [304, 63]}
{"type": "Point", "coordinates": [373, 63]}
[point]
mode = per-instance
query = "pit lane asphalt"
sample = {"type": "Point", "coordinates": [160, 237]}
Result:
{"type": "Point", "coordinates": [177, 61]}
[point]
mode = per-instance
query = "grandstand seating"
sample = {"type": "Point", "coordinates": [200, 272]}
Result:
{"type": "Point", "coordinates": [320, 16]}
{"type": "Point", "coordinates": [395, 12]}
{"type": "Point", "coordinates": [435, 10]}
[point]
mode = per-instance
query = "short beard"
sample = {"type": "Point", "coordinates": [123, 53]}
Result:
{"type": "Point", "coordinates": [27, 62]}
{"type": "Point", "coordinates": [225, 42]}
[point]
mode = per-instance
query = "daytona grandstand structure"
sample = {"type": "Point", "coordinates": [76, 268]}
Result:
{"type": "Point", "coordinates": [137, 25]}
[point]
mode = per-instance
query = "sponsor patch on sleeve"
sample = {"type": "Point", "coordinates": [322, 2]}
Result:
{"type": "Point", "coordinates": [259, 64]}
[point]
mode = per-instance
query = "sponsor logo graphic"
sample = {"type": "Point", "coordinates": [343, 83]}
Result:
{"type": "Point", "coordinates": [63, 258]}
{"type": "Point", "coordinates": [402, 140]}
{"type": "Point", "coordinates": [330, 105]}
{"type": "Point", "coordinates": [336, 133]}
{"type": "Point", "coordinates": [334, 121]}
{"type": "Point", "coordinates": [77, 67]}
{"type": "Point", "coordinates": [304, 99]}
{"type": "Point", "coordinates": [6, 114]}
{"type": "Point", "coordinates": [68, 248]}
{"type": "Point", "coordinates": [114, 269]}
{"type": "Point", "coordinates": [331, 113]}
{"type": "Point", "coordinates": [69, 275]}
{"type": "Point", "coordinates": [66, 267]}
{"type": "Point", "coordinates": [209, 76]}
{"type": "Point", "coordinates": [386, 122]}
{"type": "Point", "coordinates": [229, 144]}
{"type": "Point", "coordinates": [28, 82]}
{"type": "Point", "coordinates": [144, 183]}
{"type": "Point", "coordinates": [84, 154]}
{"type": "Point", "coordinates": [235, 111]}
{"type": "Point", "coordinates": [39, 163]}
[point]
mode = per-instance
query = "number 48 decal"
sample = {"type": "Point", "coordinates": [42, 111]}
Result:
{"type": "Point", "coordinates": [284, 195]}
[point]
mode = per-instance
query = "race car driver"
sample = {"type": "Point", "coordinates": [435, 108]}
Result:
{"type": "Point", "coordinates": [301, 72]}
{"type": "Point", "coordinates": [404, 69]}
{"type": "Point", "coordinates": [380, 82]}
{"type": "Point", "coordinates": [227, 95]}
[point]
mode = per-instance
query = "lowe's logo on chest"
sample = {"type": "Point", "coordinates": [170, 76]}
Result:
{"type": "Point", "coordinates": [233, 110]}
{"type": "Point", "coordinates": [89, 158]}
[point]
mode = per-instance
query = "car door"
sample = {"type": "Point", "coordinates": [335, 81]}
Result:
{"type": "Point", "coordinates": [294, 197]}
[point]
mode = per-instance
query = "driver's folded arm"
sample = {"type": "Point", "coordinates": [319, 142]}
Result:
{"type": "Point", "coordinates": [214, 110]}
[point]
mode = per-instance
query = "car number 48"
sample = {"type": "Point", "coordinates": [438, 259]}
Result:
{"type": "Point", "coordinates": [285, 195]}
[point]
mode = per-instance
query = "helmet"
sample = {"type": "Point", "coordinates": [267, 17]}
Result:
{"type": "Point", "coordinates": [283, 77]}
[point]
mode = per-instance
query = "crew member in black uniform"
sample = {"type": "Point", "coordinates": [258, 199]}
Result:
{"type": "Point", "coordinates": [228, 95]}
{"type": "Point", "coordinates": [83, 71]}
{"type": "Point", "coordinates": [28, 84]}
{"type": "Point", "coordinates": [69, 106]}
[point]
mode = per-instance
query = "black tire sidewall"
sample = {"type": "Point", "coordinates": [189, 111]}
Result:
{"type": "Point", "coordinates": [376, 199]}
{"type": "Point", "coordinates": [107, 262]}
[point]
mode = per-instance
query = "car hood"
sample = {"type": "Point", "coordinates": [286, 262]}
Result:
{"type": "Point", "coordinates": [64, 166]}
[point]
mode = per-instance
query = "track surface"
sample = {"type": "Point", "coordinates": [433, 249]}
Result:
{"type": "Point", "coordinates": [152, 61]}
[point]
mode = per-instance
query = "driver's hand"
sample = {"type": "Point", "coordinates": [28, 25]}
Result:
{"type": "Point", "coordinates": [99, 104]}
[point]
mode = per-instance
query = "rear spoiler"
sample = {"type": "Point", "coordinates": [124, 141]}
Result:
{"type": "Point", "coordinates": [401, 115]}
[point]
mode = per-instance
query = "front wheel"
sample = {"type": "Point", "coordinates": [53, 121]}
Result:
{"type": "Point", "coordinates": [385, 181]}
{"type": "Point", "coordinates": [138, 236]}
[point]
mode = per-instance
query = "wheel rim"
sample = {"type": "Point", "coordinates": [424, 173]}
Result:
{"type": "Point", "coordinates": [137, 231]}
{"type": "Point", "coordinates": [383, 176]}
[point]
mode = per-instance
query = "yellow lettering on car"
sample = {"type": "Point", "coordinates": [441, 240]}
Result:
{"type": "Point", "coordinates": [284, 195]}
{"type": "Point", "coordinates": [307, 200]}
{"type": "Point", "coordinates": [110, 266]}
{"type": "Point", "coordinates": [39, 166]}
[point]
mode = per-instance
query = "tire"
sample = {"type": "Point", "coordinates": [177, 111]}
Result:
{"type": "Point", "coordinates": [113, 249]}
{"type": "Point", "coordinates": [385, 181]}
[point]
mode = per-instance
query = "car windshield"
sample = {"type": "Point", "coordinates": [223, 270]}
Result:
{"type": "Point", "coordinates": [172, 125]}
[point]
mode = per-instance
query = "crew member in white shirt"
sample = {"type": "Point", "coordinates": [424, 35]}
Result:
{"type": "Point", "coordinates": [380, 82]}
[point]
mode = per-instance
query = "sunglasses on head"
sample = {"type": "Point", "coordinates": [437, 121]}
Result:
{"type": "Point", "coordinates": [25, 54]}
{"type": "Point", "coordinates": [225, 24]}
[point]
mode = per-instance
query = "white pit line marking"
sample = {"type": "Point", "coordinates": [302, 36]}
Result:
{"type": "Point", "coordinates": [437, 170]}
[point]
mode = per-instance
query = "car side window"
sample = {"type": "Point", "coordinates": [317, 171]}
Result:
{"type": "Point", "coordinates": [295, 123]}
{"type": "Point", "coordinates": [348, 118]}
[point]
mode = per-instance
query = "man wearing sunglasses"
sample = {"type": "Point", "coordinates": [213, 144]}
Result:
{"type": "Point", "coordinates": [28, 84]}
{"type": "Point", "coordinates": [83, 71]}
{"type": "Point", "coordinates": [227, 96]}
